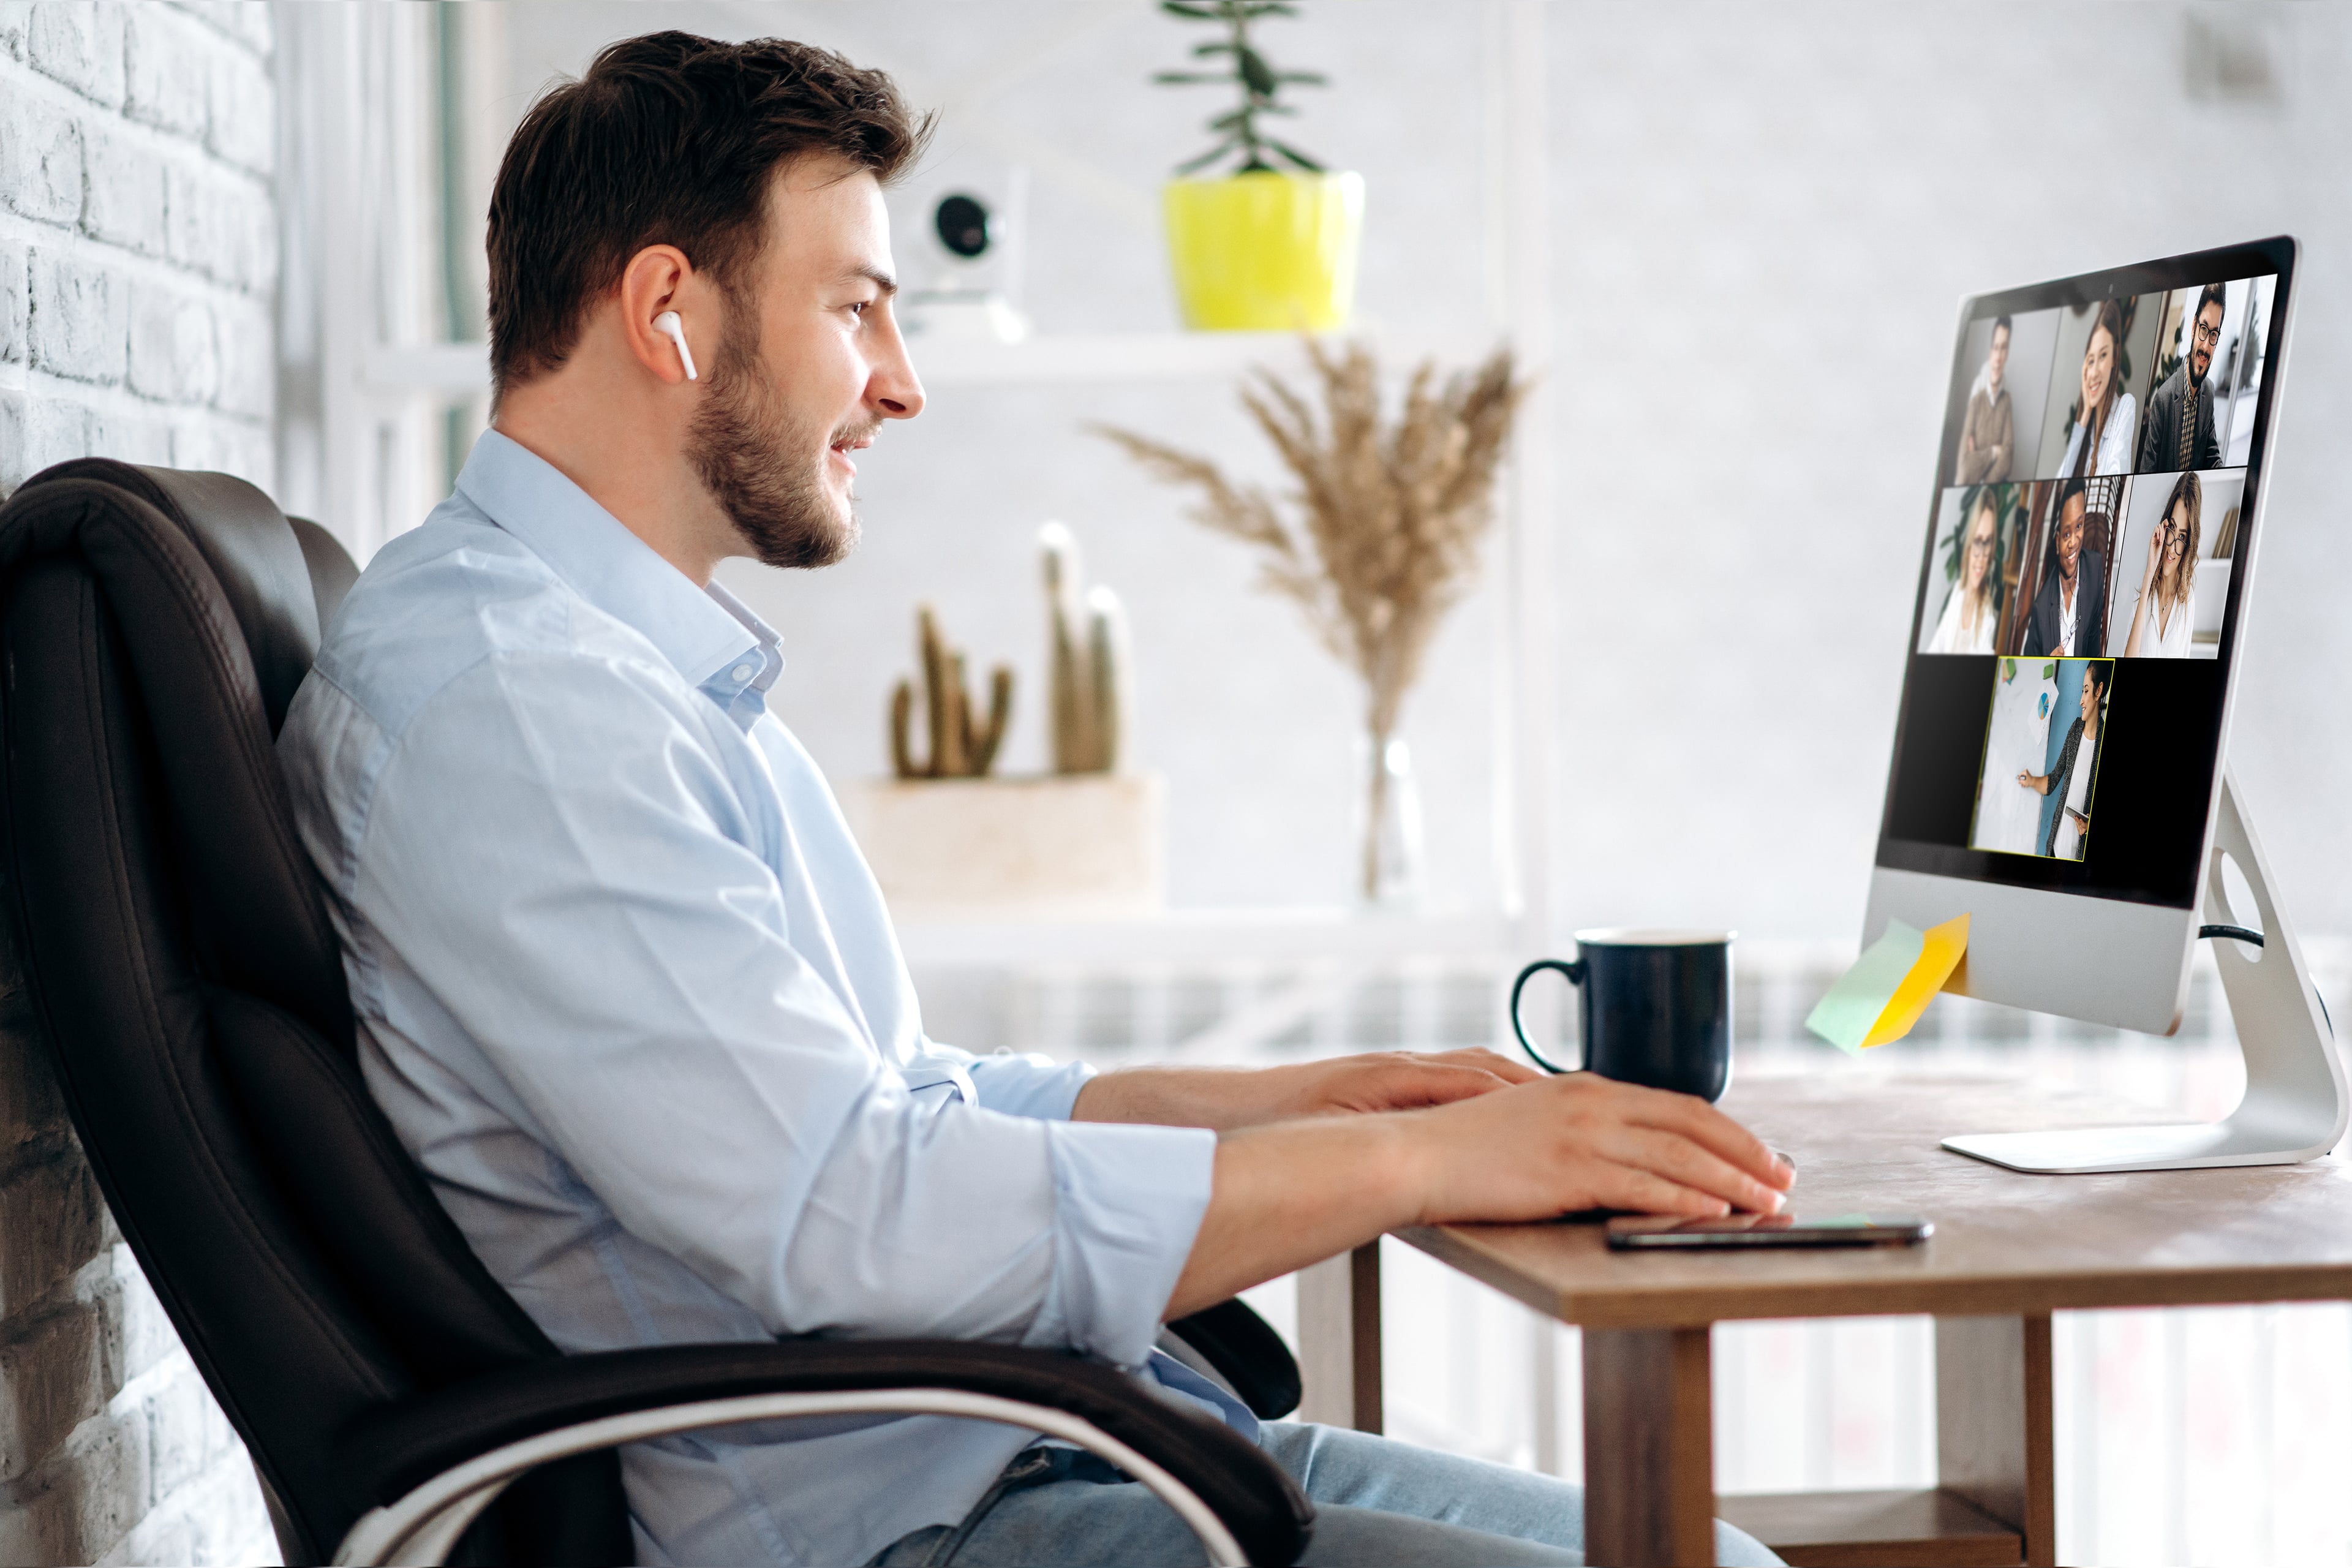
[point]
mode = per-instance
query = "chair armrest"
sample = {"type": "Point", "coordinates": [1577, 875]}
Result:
{"type": "Point", "coordinates": [1247, 1354]}
{"type": "Point", "coordinates": [411, 1446]}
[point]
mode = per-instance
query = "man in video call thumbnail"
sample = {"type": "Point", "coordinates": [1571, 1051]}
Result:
{"type": "Point", "coordinates": [2069, 611]}
{"type": "Point", "coordinates": [1988, 436]}
{"type": "Point", "coordinates": [2179, 433]}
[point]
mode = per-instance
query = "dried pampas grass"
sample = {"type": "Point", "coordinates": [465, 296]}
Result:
{"type": "Point", "coordinates": [1381, 535]}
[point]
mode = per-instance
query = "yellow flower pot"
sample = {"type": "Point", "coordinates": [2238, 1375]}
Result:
{"type": "Point", "coordinates": [1265, 252]}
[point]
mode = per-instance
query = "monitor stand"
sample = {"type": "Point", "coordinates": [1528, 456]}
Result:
{"type": "Point", "coordinates": [2296, 1103]}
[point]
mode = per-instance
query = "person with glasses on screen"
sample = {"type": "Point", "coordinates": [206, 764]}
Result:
{"type": "Point", "coordinates": [2069, 615]}
{"type": "Point", "coordinates": [2075, 777]}
{"type": "Point", "coordinates": [2102, 438]}
{"type": "Point", "coordinates": [2179, 433]}
{"type": "Point", "coordinates": [1969, 613]}
{"type": "Point", "coordinates": [1988, 436]}
{"type": "Point", "coordinates": [2161, 616]}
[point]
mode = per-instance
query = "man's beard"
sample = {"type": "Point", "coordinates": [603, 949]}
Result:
{"type": "Point", "coordinates": [757, 463]}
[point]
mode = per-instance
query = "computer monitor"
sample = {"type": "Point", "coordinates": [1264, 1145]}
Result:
{"type": "Point", "coordinates": [2081, 600]}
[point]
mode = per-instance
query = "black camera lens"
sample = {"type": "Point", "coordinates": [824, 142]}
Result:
{"type": "Point", "coordinates": [963, 225]}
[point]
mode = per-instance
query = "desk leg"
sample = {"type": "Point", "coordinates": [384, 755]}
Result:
{"type": "Point", "coordinates": [1993, 1441]}
{"type": "Point", "coordinates": [1339, 1341]}
{"type": "Point", "coordinates": [1649, 1448]}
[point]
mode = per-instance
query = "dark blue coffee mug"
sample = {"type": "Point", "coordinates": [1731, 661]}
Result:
{"type": "Point", "coordinates": [1654, 1006]}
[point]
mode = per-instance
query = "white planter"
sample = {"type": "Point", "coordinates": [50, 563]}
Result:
{"type": "Point", "coordinates": [1058, 846]}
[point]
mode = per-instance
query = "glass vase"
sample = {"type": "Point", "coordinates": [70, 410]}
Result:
{"type": "Point", "coordinates": [1388, 825]}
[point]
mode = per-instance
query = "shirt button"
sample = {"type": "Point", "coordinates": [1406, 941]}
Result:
{"type": "Point", "coordinates": [740, 672]}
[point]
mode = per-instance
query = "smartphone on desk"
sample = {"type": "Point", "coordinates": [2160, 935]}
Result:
{"type": "Point", "coordinates": [1642, 1233]}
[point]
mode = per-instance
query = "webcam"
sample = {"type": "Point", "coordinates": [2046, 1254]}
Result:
{"type": "Point", "coordinates": [964, 223]}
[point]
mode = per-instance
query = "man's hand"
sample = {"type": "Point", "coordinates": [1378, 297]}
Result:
{"type": "Point", "coordinates": [1387, 1080]}
{"type": "Point", "coordinates": [1298, 1192]}
{"type": "Point", "coordinates": [1226, 1099]}
{"type": "Point", "coordinates": [1582, 1142]}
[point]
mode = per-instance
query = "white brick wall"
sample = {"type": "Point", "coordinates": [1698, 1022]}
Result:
{"type": "Point", "coordinates": [138, 276]}
{"type": "Point", "coordinates": [138, 251]}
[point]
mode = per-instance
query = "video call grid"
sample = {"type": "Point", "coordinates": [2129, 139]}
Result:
{"type": "Point", "coordinates": [2060, 557]}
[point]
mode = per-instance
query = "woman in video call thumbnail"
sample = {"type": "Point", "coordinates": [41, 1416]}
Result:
{"type": "Point", "coordinates": [2102, 440]}
{"type": "Point", "coordinates": [1966, 625]}
{"type": "Point", "coordinates": [2074, 778]}
{"type": "Point", "coordinates": [2161, 616]}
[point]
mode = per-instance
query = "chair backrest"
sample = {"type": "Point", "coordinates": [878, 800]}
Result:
{"type": "Point", "coordinates": [153, 627]}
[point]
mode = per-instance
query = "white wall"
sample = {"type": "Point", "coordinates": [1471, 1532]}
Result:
{"type": "Point", "coordinates": [1764, 217]}
{"type": "Point", "coordinates": [1776, 210]}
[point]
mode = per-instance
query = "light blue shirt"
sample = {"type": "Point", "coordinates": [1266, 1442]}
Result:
{"type": "Point", "coordinates": [628, 992]}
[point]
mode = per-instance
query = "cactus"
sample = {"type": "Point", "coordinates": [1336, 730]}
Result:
{"type": "Point", "coordinates": [1088, 679]}
{"type": "Point", "coordinates": [957, 750]}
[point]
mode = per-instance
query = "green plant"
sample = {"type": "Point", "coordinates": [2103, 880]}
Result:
{"type": "Point", "coordinates": [1089, 677]}
{"type": "Point", "coordinates": [1261, 85]}
{"type": "Point", "coordinates": [960, 749]}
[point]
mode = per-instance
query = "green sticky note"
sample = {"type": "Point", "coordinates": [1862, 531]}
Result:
{"type": "Point", "coordinates": [1846, 1015]}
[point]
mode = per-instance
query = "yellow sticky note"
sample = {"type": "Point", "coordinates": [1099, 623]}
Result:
{"type": "Point", "coordinates": [1880, 998]}
{"type": "Point", "coordinates": [1940, 951]}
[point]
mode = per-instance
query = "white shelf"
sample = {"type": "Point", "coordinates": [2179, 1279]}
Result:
{"type": "Point", "coordinates": [461, 370]}
{"type": "Point", "coordinates": [1161, 356]}
{"type": "Point", "coordinates": [1202, 936]}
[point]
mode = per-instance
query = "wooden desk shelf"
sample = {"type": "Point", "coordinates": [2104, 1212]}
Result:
{"type": "Point", "coordinates": [1930, 1529]}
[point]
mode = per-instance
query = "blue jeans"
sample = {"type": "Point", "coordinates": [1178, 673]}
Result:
{"type": "Point", "coordinates": [1376, 1502]}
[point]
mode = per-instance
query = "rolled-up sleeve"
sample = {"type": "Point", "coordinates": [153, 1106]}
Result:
{"type": "Point", "coordinates": [621, 950]}
{"type": "Point", "coordinates": [1029, 1085]}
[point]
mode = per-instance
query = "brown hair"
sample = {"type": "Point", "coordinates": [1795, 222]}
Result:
{"type": "Point", "coordinates": [2187, 488]}
{"type": "Point", "coordinates": [2110, 319]}
{"type": "Point", "coordinates": [668, 139]}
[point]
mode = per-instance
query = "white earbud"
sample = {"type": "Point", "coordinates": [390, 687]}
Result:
{"type": "Point", "coordinates": [670, 327]}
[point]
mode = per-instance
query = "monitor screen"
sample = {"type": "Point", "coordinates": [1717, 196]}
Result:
{"type": "Point", "coordinates": [2087, 542]}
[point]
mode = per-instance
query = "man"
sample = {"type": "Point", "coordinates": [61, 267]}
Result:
{"type": "Point", "coordinates": [1988, 437]}
{"type": "Point", "coordinates": [2177, 434]}
{"type": "Point", "coordinates": [2069, 611]}
{"type": "Point", "coordinates": [631, 999]}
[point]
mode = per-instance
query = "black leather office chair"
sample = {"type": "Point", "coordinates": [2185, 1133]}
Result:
{"type": "Point", "coordinates": [396, 1403]}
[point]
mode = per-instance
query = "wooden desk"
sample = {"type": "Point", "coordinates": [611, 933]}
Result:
{"type": "Point", "coordinates": [2008, 1250]}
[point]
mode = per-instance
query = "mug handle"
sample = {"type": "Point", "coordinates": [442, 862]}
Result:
{"type": "Point", "coordinates": [1574, 970]}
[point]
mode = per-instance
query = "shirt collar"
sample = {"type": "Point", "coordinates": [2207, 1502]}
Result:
{"type": "Point", "coordinates": [709, 634]}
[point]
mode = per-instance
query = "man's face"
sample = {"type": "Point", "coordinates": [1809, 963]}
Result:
{"type": "Point", "coordinates": [2069, 537]}
{"type": "Point", "coordinates": [1998, 361]}
{"type": "Point", "coordinates": [2202, 336]}
{"type": "Point", "coordinates": [809, 366]}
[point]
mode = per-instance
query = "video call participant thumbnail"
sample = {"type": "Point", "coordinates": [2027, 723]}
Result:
{"type": "Point", "coordinates": [2162, 614]}
{"type": "Point", "coordinates": [2100, 439]}
{"type": "Point", "coordinates": [2179, 431]}
{"type": "Point", "coordinates": [2074, 777]}
{"type": "Point", "coordinates": [1988, 432]}
{"type": "Point", "coordinates": [1971, 611]}
{"type": "Point", "coordinates": [2069, 611]}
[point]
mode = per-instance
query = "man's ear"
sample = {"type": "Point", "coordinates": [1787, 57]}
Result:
{"type": "Point", "coordinates": [660, 279]}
